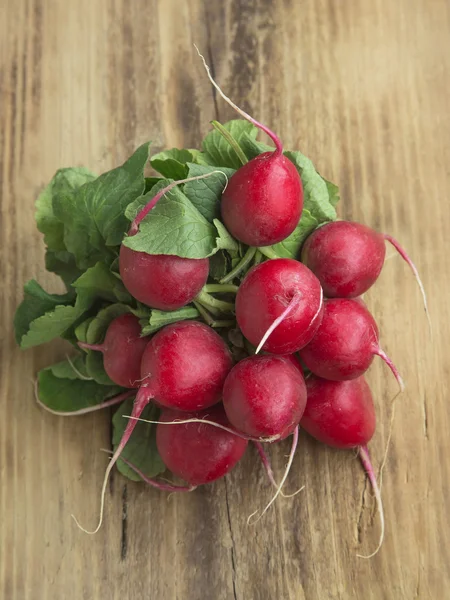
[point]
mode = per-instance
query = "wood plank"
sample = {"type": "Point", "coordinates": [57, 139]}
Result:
{"type": "Point", "coordinates": [362, 89]}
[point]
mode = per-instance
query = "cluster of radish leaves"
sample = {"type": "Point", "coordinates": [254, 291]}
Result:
{"type": "Point", "coordinates": [84, 219]}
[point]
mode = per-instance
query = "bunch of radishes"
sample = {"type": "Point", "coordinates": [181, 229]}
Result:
{"type": "Point", "coordinates": [294, 316]}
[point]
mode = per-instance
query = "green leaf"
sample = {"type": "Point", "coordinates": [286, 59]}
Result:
{"type": "Point", "coordinates": [71, 368]}
{"type": "Point", "coordinates": [141, 447]}
{"type": "Point", "coordinates": [47, 223]}
{"type": "Point", "coordinates": [96, 369]}
{"type": "Point", "coordinates": [62, 263]}
{"type": "Point", "coordinates": [55, 322]}
{"type": "Point", "coordinates": [316, 197]}
{"type": "Point", "coordinates": [150, 182]}
{"type": "Point", "coordinates": [205, 194]}
{"type": "Point", "coordinates": [68, 395]}
{"type": "Point", "coordinates": [200, 158]}
{"type": "Point", "coordinates": [172, 163]}
{"type": "Point", "coordinates": [225, 241]}
{"type": "Point", "coordinates": [82, 329]}
{"type": "Point", "coordinates": [219, 265]}
{"type": "Point", "coordinates": [100, 281]}
{"type": "Point", "coordinates": [93, 215]}
{"type": "Point", "coordinates": [133, 209]}
{"type": "Point", "coordinates": [99, 324]}
{"type": "Point", "coordinates": [174, 226]}
{"type": "Point", "coordinates": [219, 152]}
{"type": "Point", "coordinates": [252, 147]}
{"type": "Point", "coordinates": [333, 192]}
{"type": "Point", "coordinates": [159, 318]}
{"type": "Point", "coordinates": [290, 247]}
{"type": "Point", "coordinates": [36, 303]}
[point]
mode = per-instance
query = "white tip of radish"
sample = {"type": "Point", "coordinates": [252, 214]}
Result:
{"type": "Point", "coordinates": [388, 442]}
{"type": "Point", "coordinates": [282, 482]}
{"type": "Point", "coordinates": [293, 304]}
{"type": "Point", "coordinates": [276, 140]}
{"type": "Point", "coordinates": [413, 268]}
{"type": "Point", "coordinates": [382, 354]}
{"type": "Point", "coordinates": [365, 459]}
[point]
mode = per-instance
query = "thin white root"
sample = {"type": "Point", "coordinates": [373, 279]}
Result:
{"type": "Point", "coordinates": [270, 133]}
{"type": "Point", "coordinates": [413, 268]}
{"type": "Point", "coordinates": [268, 467]}
{"type": "Point", "coordinates": [382, 354]}
{"type": "Point", "coordinates": [365, 459]}
{"type": "Point", "coordinates": [283, 480]}
{"type": "Point", "coordinates": [274, 438]}
{"type": "Point", "coordinates": [388, 442]}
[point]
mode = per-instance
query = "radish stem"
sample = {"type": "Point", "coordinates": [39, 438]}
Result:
{"type": "Point", "coordinates": [242, 264]}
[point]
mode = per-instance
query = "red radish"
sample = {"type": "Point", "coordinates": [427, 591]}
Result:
{"type": "Point", "coordinates": [198, 452]}
{"type": "Point", "coordinates": [339, 413]}
{"type": "Point", "coordinates": [280, 298]}
{"type": "Point", "coordinates": [294, 360]}
{"type": "Point", "coordinates": [263, 201]}
{"type": "Point", "coordinates": [264, 397]}
{"type": "Point", "coordinates": [345, 343]}
{"type": "Point", "coordinates": [122, 350]}
{"type": "Point", "coordinates": [184, 366]}
{"type": "Point", "coordinates": [348, 257]}
{"type": "Point", "coordinates": [162, 281]}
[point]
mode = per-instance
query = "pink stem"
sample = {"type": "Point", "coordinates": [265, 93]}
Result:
{"type": "Point", "coordinates": [84, 411]}
{"type": "Point", "coordinates": [382, 354]}
{"type": "Point", "coordinates": [148, 207]}
{"type": "Point", "coordinates": [293, 304]}
{"type": "Point", "coordinates": [367, 464]}
{"type": "Point", "coordinates": [276, 140]}
{"type": "Point", "coordinates": [143, 397]}
{"type": "Point", "coordinates": [167, 487]}
{"type": "Point", "coordinates": [97, 347]}
{"type": "Point", "coordinates": [413, 267]}
{"type": "Point", "coordinates": [266, 463]}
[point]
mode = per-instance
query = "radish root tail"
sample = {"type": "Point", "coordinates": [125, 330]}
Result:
{"type": "Point", "coordinates": [367, 464]}
{"type": "Point", "coordinates": [276, 140]}
{"type": "Point", "coordinates": [268, 467]}
{"type": "Point", "coordinates": [142, 399]}
{"type": "Point", "coordinates": [293, 304]}
{"type": "Point", "coordinates": [283, 480]}
{"type": "Point", "coordinates": [382, 354]}
{"type": "Point", "coordinates": [413, 268]}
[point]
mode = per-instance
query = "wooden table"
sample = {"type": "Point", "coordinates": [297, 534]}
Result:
{"type": "Point", "coordinates": [363, 89]}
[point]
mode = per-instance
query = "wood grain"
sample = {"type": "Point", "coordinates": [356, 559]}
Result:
{"type": "Point", "coordinates": [362, 88]}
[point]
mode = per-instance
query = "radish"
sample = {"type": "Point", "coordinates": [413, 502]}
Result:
{"type": "Point", "coordinates": [339, 413]}
{"type": "Point", "coordinates": [162, 281]}
{"type": "Point", "coordinates": [279, 306]}
{"type": "Point", "coordinates": [264, 397]}
{"type": "Point", "coordinates": [122, 350]}
{"type": "Point", "coordinates": [348, 257]}
{"type": "Point", "coordinates": [294, 360]}
{"type": "Point", "coordinates": [345, 343]}
{"type": "Point", "coordinates": [196, 452]}
{"type": "Point", "coordinates": [263, 201]}
{"type": "Point", "coordinates": [183, 367]}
